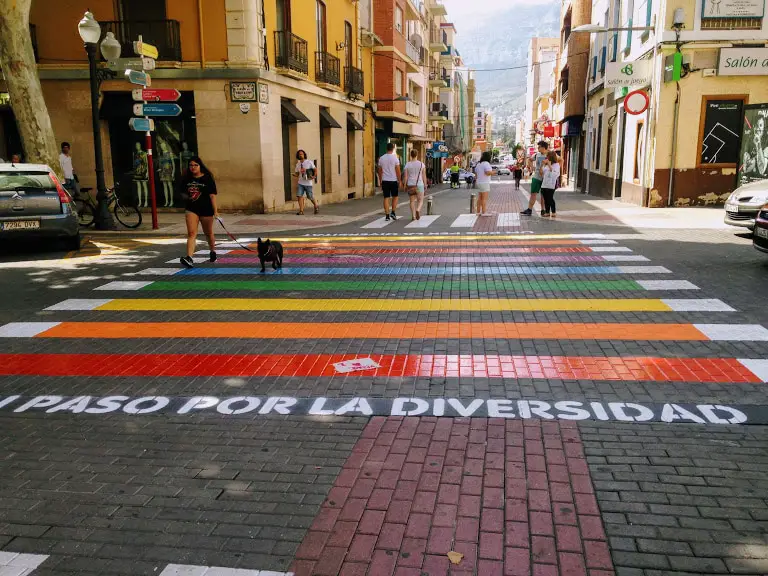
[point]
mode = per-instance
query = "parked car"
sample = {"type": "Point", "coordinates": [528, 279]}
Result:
{"type": "Point", "coordinates": [34, 204]}
{"type": "Point", "coordinates": [462, 175]}
{"type": "Point", "coordinates": [760, 238]}
{"type": "Point", "coordinates": [744, 203]}
{"type": "Point", "coordinates": [504, 171]}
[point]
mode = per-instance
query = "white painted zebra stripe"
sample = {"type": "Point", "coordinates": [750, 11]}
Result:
{"type": "Point", "coordinates": [380, 223]}
{"type": "Point", "coordinates": [610, 249]}
{"type": "Point", "coordinates": [195, 259]}
{"type": "Point", "coordinates": [125, 285]}
{"type": "Point", "coordinates": [14, 564]}
{"type": "Point", "coordinates": [667, 285]}
{"type": "Point", "coordinates": [643, 270]}
{"type": "Point", "coordinates": [758, 367]}
{"type": "Point", "coordinates": [625, 258]}
{"type": "Point", "coordinates": [697, 305]}
{"type": "Point", "coordinates": [80, 304]}
{"type": "Point", "coordinates": [464, 221]}
{"type": "Point", "coordinates": [156, 271]}
{"type": "Point", "coordinates": [506, 219]}
{"type": "Point", "coordinates": [423, 222]}
{"type": "Point", "coordinates": [189, 570]}
{"type": "Point", "coordinates": [598, 242]}
{"type": "Point", "coordinates": [734, 332]}
{"type": "Point", "coordinates": [25, 330]}
{"type": "Point", "coordinates": [218, 250]}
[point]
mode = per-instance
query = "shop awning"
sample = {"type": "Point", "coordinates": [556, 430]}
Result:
{"type": "Point", "coordinates": [290, 113]}
{"type": "Point", "coordinates": [353, 124]}
{"type": "Point", "coordinates": [326, 120]}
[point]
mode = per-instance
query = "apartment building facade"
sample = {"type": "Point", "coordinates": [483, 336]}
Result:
{"type": "Point", "coordinates": [540, 84]}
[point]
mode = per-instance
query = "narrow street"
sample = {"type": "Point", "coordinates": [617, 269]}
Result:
{"type": "Point", "coordinates": [572, 397]}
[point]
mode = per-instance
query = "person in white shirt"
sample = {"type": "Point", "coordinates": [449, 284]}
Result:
{"type": "Point", "coordinates": [484, 171]}
{"type": "Point", "coordinates": [305, 172]}
{"type": "Point", "coordinates": [413, 181]}
{"type": "Point", "coordinates": [389, 176]}
{"type": "Point", "coordinates": [65, 160]}
{"type": "Point", "coordinates": [550, 170]}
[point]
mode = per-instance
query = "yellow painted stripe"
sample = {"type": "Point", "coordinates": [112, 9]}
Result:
{"type": "Point", "coordinates": [383, 305]}
{"type": "Point", "coordinates": [431, 237]}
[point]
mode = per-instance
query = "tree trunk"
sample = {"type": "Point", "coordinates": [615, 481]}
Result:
{"type": "Point", "coordinates": [17, 61]}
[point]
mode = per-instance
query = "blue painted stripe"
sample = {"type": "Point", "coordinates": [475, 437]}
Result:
{"type": "Point", "coordinates": [398, 271]}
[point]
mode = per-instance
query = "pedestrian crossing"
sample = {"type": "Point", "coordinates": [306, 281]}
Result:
{"type": "Point", "coordinates": [501, 220]}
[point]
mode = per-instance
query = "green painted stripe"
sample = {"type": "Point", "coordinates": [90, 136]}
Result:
{"type": "Point", "coordinates": [273, 284]}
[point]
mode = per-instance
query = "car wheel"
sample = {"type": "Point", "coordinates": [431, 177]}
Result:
{"type": "Point", "coordinates": [72, 243]}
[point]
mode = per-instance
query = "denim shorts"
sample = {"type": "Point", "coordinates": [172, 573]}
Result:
{"type": "Point", "coordinates": [305, 189]}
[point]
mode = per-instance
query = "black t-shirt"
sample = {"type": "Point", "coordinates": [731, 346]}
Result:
{"type": "Point", "coordinates": [198, 192]}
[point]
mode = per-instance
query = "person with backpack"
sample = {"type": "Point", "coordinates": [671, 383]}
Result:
{"type": "Point", "coordinates": [413, 181]}
{"type": "Point", "coordinates": [550, 170]}
{"type": "Point", "coordinates": [305, 171]}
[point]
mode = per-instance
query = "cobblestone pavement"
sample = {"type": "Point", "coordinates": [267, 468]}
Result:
{"type": "Point", "coordinates": [455, 395]}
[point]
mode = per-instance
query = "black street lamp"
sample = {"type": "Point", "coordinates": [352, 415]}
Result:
{"type": "Point", "coordinates": [90, 32]}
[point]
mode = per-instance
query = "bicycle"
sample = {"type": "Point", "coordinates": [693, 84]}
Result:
{"type": "Point", "coordinates": [128, 216]}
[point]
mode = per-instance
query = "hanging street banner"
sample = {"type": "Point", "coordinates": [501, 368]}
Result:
{"type": "Point", "coordinates": [142, 124]}
{"type": "Point", "coordinates": [713, 9]}
{"type": "Point", "coordinates": [753, 164]}
{"type": "Point", "coordinates": [137, 77]}
{"type": "Point", "coordinates": [156, 95]}
{"type": "Point", "coordinates": [143, 49]}
{"type": "Point", "coordinates": [160, 109]}
{"type": "Point", "coordinates": [635, 74]}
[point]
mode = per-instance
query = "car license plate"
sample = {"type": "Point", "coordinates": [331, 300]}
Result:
{"type": "Point", "coordinates": [761, 232]}
{"type": "Point", "coordinates": [732, 207]}
{"type": "Point", "coordinates": [20, 225]}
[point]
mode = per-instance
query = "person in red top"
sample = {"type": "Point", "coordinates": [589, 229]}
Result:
{"type": "Point", "coordinates": [199, 189]}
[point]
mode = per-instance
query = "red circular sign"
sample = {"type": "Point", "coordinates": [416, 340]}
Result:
{"type": "Point", "coordinates": [636, 102]}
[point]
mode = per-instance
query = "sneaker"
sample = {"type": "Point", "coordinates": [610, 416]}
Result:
{"type": "Point", "coordinates": [317, 210]}
{"type": "Point", "coordinates": [394, 216]}
{"type": "Point", "coordinates": [527, 212]}
{"type": "Point", "coordinates": [386, 217]}
{"type": "Point", "coordinates": [418, 215]}
{"type": "Point", "coordinates": [213, 256]}
{"type": "Point", "coordinates": [187, 261]}
{"type": "Point", "coordinates": [299, 213]}
{"type": "Point", "coordinates": [553, 215]}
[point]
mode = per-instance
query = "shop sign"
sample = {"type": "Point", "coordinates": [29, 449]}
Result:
{"type": "Point", "coordinates": [263, 93]}
{"type": "Point", "coordinates": [243, 92]}
{"type": "Point", "coordinates": [754, 141]}
{"type": "Point", "coordinates": [633, 74]}
{"type": "Point", "coordinates": [743, 62]}
{"type": "Point", "coordinates": [712, 9]}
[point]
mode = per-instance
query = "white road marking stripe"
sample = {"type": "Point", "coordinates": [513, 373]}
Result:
{"type": "Point", "coordinates": [667, 285]}
{"type": "Point", "coordinates": [189, 570]}
{"type": "Point", "coordinates": [25, 330]}
{"type": "Point", "coordinates": [125, 285]}
{"type": "Point", "coordinates": [643, 270]}
{"type": "Point", "coordinates": [734, 332]}
{"type": "Point", "coordinates": [697, 305]}
{"type": "Point", "coordinates": [14, 564]}
{"type": "Point", "coordinates": [380, 223]}
{"type": "Point", "coordinates": [464, 221]}
{"type": "Point", "coordinates": [156, 272]}
{"type": "Point", "coordinates": [610, 249]}
{"type": "Point", "coordinates": [195, 259]}
{"type": "Point", "coordinates": [508, 219]}
{"type": "Point", "coordinates": [218, 251]}
{"type": "Point", "coordinates": [80, 304]}
{"type": "Point", "coordinates": [624, 258]}
{"type": "Point", "coordinates": [597, 242]}
{"type": "Point", "coordinates": [423, 222]}
{"type": "Point", "coordinates": [758, 367]}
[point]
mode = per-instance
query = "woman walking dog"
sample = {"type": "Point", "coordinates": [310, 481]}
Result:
{"type": "Point", "coordinates": [199, 189]}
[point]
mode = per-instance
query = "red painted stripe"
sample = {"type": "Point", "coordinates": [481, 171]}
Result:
{"type": "Point", "coordinates": [483, 366]}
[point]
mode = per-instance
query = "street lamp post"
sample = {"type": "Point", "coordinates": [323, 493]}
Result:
{"type": "Point", "coordinates": [90, 32]}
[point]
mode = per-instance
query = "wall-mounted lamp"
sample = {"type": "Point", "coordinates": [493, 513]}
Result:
{"type": "Point", "coordinates": [678, 19]}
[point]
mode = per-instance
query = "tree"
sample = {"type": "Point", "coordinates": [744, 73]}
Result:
{"type": "Point", "coordinates": [17, 61]}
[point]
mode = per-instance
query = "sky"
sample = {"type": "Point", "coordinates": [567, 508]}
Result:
{"type": "Point", "coordinates": [465, 14]}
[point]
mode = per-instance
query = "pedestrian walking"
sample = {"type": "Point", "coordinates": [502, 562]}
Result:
{"type": "Point", "coordinates": [70, 177]}
{"type": "Point", "coordinates": [483, 171]}
{"type": "Point", "coordinates": [455, 174]}
{"type": "Point", "coordinates": [413, 181]}
{"type": "Point", "coordinates": [551, 176]}
{"type": "Point", "coordinates": [199, 190]}
{"type": "Point", "coordinates": [518, 173]}
{"type": "Point", "coordinates": [305, 171]}
{"type": "Point", "coordinates": [389, 176]}
{"type": "Point", "coordinates": [536, 177]}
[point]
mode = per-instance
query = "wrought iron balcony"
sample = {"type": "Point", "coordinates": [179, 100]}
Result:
{"type": "Point", "coordinates": [164, 34]}
{"type": "Point", "coordinates": [327, 69]}
{"type": "Point", "coordinates": [353, 80]}
{"type": "Point", "coordinates": [291, 52]}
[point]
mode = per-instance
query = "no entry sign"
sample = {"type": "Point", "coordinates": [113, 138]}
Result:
{"type": "Point", "coordinates": [636, 102]}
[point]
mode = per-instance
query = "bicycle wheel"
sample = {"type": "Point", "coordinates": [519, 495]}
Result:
{"type": "Point", "coordinates": [85, 214]}
{"type": "Point", "coordinates": [128, 216]}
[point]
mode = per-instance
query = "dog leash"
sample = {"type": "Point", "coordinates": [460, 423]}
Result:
{"type": "Point", "coordinates": [232, 237]}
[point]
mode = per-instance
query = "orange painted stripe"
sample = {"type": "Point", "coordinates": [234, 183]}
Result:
{"type": "Point", "coordinates": [372, 330]}
{"type": "Point", "coordinates": [418, 250]}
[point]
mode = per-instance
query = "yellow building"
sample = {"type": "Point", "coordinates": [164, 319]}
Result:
{"type": "Point", "coordinates": [255, 87]}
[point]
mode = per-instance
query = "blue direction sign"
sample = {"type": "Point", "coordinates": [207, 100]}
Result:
{"type": "Point", "coordinates": [137, 77]}
{"type": "Point", "coordinates": [157, 109]}
{"type": "Point", "coordinates": [141, 124]}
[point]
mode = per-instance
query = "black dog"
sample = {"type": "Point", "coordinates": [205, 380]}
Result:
{"type": "Point", "coordinates": [270, 252]}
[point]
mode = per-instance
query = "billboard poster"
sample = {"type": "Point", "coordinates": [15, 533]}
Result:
{"type": "Point", "coordinates": [753, 157]}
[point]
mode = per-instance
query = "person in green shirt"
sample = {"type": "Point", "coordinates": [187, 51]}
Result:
{"type": "Point", "coordinates": [455, 173]}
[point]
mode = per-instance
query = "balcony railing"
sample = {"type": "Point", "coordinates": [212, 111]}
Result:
{"type": "Point", "coordinates": [438, 37]}
{"type": "Point", "coordinates": [353, 80]}
{"type": "Point", "coordinates": [413, 109]}
{"type": "Point", "coordinates": [412, 52]}
{"type": "Point", "coordinates": [291, 52]}
{"type": "Point", "coordinates": [164, 34]}
{"type": "Point", "coordinates": [327, 69]}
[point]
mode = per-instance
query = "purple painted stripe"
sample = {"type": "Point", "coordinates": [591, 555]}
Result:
{"type": "Point", "coordinates": [356, 260]}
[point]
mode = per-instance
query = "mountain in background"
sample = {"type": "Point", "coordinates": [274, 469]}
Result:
{"type": "Point", "coordinates": [501, 40]}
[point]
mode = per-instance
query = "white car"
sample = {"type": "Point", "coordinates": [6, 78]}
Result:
{"type": "Point", "coordinates": [504, 171]}
{"type": "Point", "coordinates": [745, 202]}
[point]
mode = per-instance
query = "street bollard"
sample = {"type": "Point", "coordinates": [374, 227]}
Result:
{"type": "Point", "coordinates": [429, 205]}
{"type": "Point", "coordinates": [473, 203]}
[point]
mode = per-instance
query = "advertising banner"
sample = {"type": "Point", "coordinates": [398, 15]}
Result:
{"type": "Point", "coordinates": [753, 158]}
{"type": "Point", "coordinates": [635, 74]}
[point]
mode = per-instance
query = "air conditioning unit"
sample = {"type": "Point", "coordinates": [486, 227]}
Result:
{"type": "Point", "coordinates": [435, 107]}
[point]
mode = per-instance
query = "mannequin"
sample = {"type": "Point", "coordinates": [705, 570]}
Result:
{"type": "Point", "coordinates": [185, 156]}
{"type": "Point", "coordinates": [167, 169]}
{"type": "Point", "coordinates": [141, 175]}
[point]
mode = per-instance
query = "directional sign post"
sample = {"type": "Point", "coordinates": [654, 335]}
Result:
{"type": "Point", "coordinates": [167, 109]}
{"type": "Point", "coordinates": [156, 95]}
{"type": "Point", "coordinates": [141, 48]}
{"type": "Point", "coordinates": [142, 124]}
{"type": "Point", "coordinates": [137, 77]}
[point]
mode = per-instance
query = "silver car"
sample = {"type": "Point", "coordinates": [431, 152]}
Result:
{"type": "Point", "coordinates": [744, 203]}
{"type": "Point", "coordinates": [34, 204]}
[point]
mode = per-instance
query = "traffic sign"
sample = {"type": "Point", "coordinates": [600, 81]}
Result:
{"type": "Point", "coordinates": [156, 95]}
{"type": "Point", "coordinates": [137, 77]}
{"type": "Point", "coordinates": [141, 124]}
{"type": "Point", "coordinates": [161, 109]}
{"type": "Point", "coordinates": [141, 48]}
{"type": "Point", "coordinates": [636, 102]}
